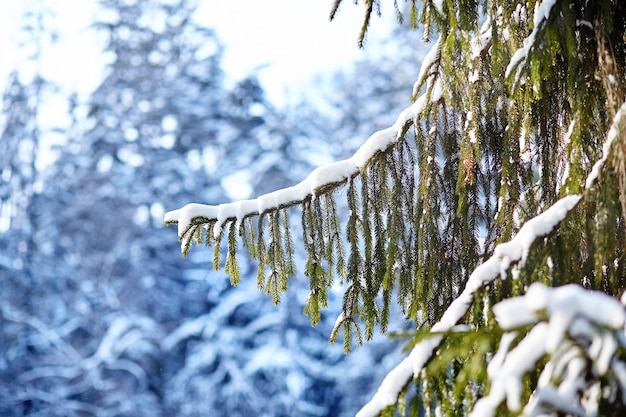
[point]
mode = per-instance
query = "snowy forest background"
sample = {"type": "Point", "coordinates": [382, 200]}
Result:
{"type": "Point", "coordinates": [99, 314]}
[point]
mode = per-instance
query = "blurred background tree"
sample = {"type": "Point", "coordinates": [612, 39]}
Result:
{"type": "Point", "coordinates": [99, 314]}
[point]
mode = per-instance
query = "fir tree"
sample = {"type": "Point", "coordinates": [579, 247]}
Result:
{"type": "Point", "coordinates": [492, 211]}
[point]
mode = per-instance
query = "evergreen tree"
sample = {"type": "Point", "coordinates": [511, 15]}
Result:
{"type": "Point", "coordinates": [504, 178]}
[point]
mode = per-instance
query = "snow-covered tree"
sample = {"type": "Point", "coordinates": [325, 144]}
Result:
{"type": "Point", "coordinates": [492, 211]}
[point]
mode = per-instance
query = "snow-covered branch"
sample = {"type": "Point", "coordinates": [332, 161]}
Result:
{"type": "Point", "coordinates": [505, 255]}
{"type": "Point", "coordinates": [591, 319]}
{"type": "Point", "coordinates": [542, 13]}
{"type": "Point", "coordinates": [614, 131]}
{"type": "Point", "coordinates": [509, 363]}
{"type": "Point", "coordinates": [319, 179]}
{"type": "Point", "coordinates": [48, 334]}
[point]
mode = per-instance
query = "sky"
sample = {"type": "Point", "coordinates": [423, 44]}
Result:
{"type": "Point", "coordinates": [291, 40]}
{"type": "Point", "coordinates": [286, 42]}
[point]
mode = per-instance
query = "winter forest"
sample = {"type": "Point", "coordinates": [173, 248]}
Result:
{"type": "Point", "coordinates": [448, 213]}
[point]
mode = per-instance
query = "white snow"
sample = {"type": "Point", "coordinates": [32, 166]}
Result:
{"type": "Point", "coordinates": [563, 305]}
{"type": "Point", "coordinates": [619, 368]}
{"type": "Point", "coordinates": [426, 69]}
{"type": "Point", "coordinates": [517, 248]}
{"type": "Point", "coordinates": [508, 381]}
{"type": "Point", "coordinates": [519, 16]}
{"type": "Point", "coordinates": [118, 336]}
{"type": "Point", "coordinates": [438, 6]}
{"type": "Point", "coordinates": [480, 42]}
{"type": "Point", "coordinates": [498, 359]}
{"type": "Point", "coordinates": [569, 310]}
{"type": "Point", "coordinates": [473, 76]}
{"type": "Point", "coordinates": [395, 380]}
{"type": "Point", "coordinates": [340, 318]}
{"type": "Point", "coordinates": [565, 167]}
{"type": "Point", "coordinates": [613, 132]}
{"type": "Point", "coordinates": [268, 355]}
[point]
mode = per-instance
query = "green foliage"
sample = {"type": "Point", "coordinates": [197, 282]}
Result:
{"type": "Point", "coordinates": [457, 369]}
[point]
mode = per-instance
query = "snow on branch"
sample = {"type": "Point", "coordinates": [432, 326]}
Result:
{"type": "Point", "coordinates": [505, 255]}
{"type": "Point", "coordinates": [542, 13]}
{"type": "Point", "coordinates": [429, 67]}
{"type": "Point", "coordinates": [319, 180]}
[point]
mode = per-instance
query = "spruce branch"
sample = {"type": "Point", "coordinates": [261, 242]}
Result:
{"type": "Point", "coordinates": [321, 181]}
{"type": "Point", "coordinates": [505, 255]}
{"type": "Point", "coordinates": [565, 320]}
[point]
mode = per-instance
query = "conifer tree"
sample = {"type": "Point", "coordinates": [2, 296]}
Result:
{"type": "Point", "coordinates": [492, 212]}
